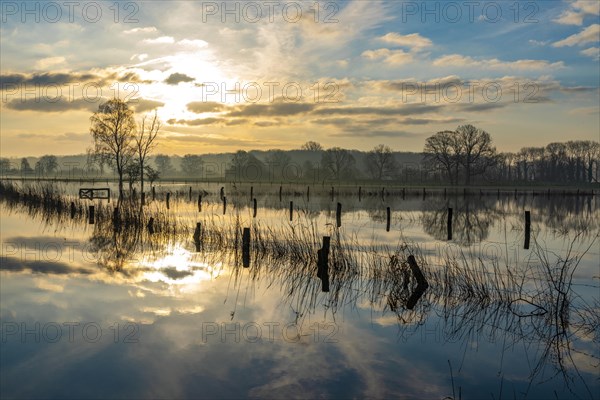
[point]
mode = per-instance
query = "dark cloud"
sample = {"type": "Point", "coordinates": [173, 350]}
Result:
{"type": "Point", "coordinates": [177, 78]}
{"type": "Point", "coordinates": [265, 124]}
{"type": "Point", "coordinates": [141, 105]}
{"type": "Point", "coordinates": [50, 105]}
{"type": "Point", "coordinates": [374, 133]}
{"type": "Point", "coordinates": [200, 107]}
{"type": "Point", "coordinates": [406, 109]}
{"type": "Point", "coordinates": [14, 264]}
{"type": "Point", "coordinates": [9, 81]}
{"type": "Point", "coordinates": [480, 107]}
{"type": "Point", "coordinates": [271, 110]}
{"type": "Point", "coordinates": [174, 273]}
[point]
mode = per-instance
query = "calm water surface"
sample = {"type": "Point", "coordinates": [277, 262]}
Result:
{"type": "Point", "coordinates": [87, 312]}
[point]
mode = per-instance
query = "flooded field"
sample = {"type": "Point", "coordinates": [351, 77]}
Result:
{"type": "Point", "coordinates": [329, 293]}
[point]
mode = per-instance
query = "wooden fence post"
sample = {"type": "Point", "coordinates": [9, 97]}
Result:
{"type": "Point", "coordinates": [387, 226]}
{"type": "Point", "coordinates": [338, 215]}
{"type": "Point", "coordinates": [449, 224]}
{"type": "Point", "coordinates": [527, 229]}
{"type": "Point", "coordinates": [246, 247]}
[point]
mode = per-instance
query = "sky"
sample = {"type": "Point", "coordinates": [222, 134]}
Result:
{"type": "Point", "coordinates": [275, 74]}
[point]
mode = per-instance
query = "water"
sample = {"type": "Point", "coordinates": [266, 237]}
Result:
{"type": "Point", "coordinates": [87, 312]}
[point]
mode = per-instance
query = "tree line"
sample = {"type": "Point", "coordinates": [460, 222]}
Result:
{"type": "Point", "coordinates": [123, 146]}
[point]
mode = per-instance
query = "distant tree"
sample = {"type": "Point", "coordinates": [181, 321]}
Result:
{"type": "Point", "coordinates": [152, 174]}
{"type": "Point", "coordinates": [191, 164]}
{"type": "Point", "coordinates": [25, 167]}
{"type": "Point", "coordinates": [163, 164]}
{"type": "Point", "coordinates": [277, 161]}
{"type": "Point", "coordinates": [46, 164]}
{"type": "Point", "coordinates": [132, 171]}
{"type": "Point", "coordinates": [338, 163]}
{"type": "Point", "coordinates": [145, 142]}
{"type": "Point", "coordinates": [5, 165]}
{"type": "Point", "coordinates": [380, 162]}
{"type": "Point", "coordinates": [477, 153]}
{"type": "Point", "coordinates": [244, 166]}
{"type": "Point", "coordinates": [442, 152]}
{"type": "Point", "coordinates": [312, 146]}
{"type": "Point", "coordinates": [113, 129]}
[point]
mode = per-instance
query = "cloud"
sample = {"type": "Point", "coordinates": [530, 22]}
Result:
{"type": "Point", "coordinates": [60, 105]}
{"type": "Point", "coordinates": [49, 62]}
{"type": "Point", "coordinates": [413, 41]}
{"type": "Point", "coordinates": [141, 105]}
{"type": "Point", "coordinates": [192, 44]}
{"type": "Point", "coordinates": [393, 57]}
{"type": "Point", "coordinates": [405, 109]}
{"type": "Point", "coordinates": [147, 29]}
{"type": "Point", "coordinates": [457, 60]}
{"type": "Point", "coordinates": [43, 79]}
{"type": "Point", "coordinates": [195, 122]}
{"type": "Point", "coordinates": [271, 110]}
{"type": "Point", "coordinates": [593, 52]}
{"type": "Point", "coordinates": [588, 35]}
{"type": "Point", "coordinates": [538, 42]}
{"type": "Point", "coordinates": [200, 107]}
{"type": "Point", "coordinates": [360, 132]}
{"type": "Point", "coordinates": [160, 40]}
{"type": "Point", "coordinates": [577, 12]}
{"type": "Point", "coordinates": [14, 264]}
{"type": "Point", "coordinates": [176, 78]}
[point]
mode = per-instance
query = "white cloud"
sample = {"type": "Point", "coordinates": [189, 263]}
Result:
{"type": "Point", "coordinates": [577, 12]}
{"type": "Point", "coordinates": [139, 57]}
{"type": "Point", "coordinates": [160, 40]}
{"type": "Point", "coordinates": [192, 43]}
{"type": "Point", "coordinates": [538, 42]}
{"type": "Point", "coordinates": [49, 62]}
{"type": "Point", "coordinates": [593, 52]}
{"type": "Point", "coordinates": [457, 60]}
{"type": "Point", "coordinates": [588, 35]}
{"type": "Point", "coordinates": [394, 57]}
{"type": "Point", "coordinates": [414, 41]}
{"type": "Point", "coordinates": [148, 29]}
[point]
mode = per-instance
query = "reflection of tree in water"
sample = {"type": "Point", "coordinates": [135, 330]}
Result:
{"type": "Point", "coordinates": [471, 219]}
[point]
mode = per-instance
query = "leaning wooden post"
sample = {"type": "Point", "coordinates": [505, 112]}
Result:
{"type": "Point", "coordinates": [224, 204]}
{"type": "Point", "coordinates": [199, 202]}
{"type": "Point", "coordinates": [246, 247]}
{"type": "Point", "coordinates": [422, 284]}
{"type": "Point", "coordinates": [338, 215]}
{"type": "Point", "coordinates": [254, 212]}
{"type": "Point", "coordinates": [291, 210]}
{"type": "Point", "coordinates": [527, 229]}
{"type": "Point", "coordinates": [387, 226]}
{"type": "Point", "coordinates": [168, 198]}
{"type": "Point", "coordinates": [222, 192]}
{"type": "Point", "coordinates": [449, 226]}
{"type": "Point", "coordinates": [91, 215]}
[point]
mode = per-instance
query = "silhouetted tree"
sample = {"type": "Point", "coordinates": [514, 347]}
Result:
{"type": "Point", "coordinates": [191, 164]}
{"type": "Point", "coordinates": [338, 163]}
{"type": "Point", "coordinates": [380, 162]}
{"type": "Point", "coordinates": [145, 142]}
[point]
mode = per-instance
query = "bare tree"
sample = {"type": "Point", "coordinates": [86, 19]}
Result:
{"type": "Point", "coordinates": [380, 162]}
{"type": "Point", "coordinates": [145, 142]}
{"type": "Point", "coordinates": [338, 162]}
{"type": "Point", "coordinates": [442, 152]}
{"type": "Point", "coordinates": [477, 152]}
{"type": "Point", "coordinates": [113, 130]}
{"type": "Point", "coordinates": [312, 146]}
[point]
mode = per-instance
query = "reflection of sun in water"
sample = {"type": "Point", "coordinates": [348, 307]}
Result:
{"type": "Point", "coordinates": [176, 266]}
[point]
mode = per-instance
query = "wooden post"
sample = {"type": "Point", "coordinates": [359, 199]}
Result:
{"type": "Point", "coordinates": [515, 193]}
{"type": "Point", "coordinates": [383, 194]}
{"type": "Point", "coordinates": [200, 202]}
{"type": "Point", "coordinates": [449, 224]}
{"type": "Point", "coordinates": [254, 213]}
{"type": "Point", "coordinates": [338, 215]}
{"type": "Point", "coordinates": [308, 193]}
{"type": "Point", "coordinates": [143, 200]}
{"type": "Point", "coordinates": [422, 284]}
{"type": "Point", "coordinates": [387, 226]}
{"type": "Point", "coordinates": [527, 229]}
{"type": "Point", "coordinates": [151, 225]}
{"type": "Point", "coordinates": [424, 193]}
{"type": "Point", "coordinates": [222, 193]}
{"type": "Point", "coordinates": [224, 204]}
{"type": "Point", "coordinates": [153, 193]}
{"type": "Point", "coordinates": [280, 193]}
{"type": "Point", "coordinates": [168, 198]}
{"type": "Point", "coordinates": [197, 235]}
{"type": "Point", "coordinates": [332, 192]}
{"type": "Point", "coordinates": [498, 195]}
{"type": "Point", "coordinates": [323, 264]}
{"type": "Point", "coordinates": [91, 215]}
{"type": "Point", "coordinates": [359, 193]}
{"type": "Point", "coordinates": [291, 210]}
{"type": "Point", "coordinates": [190, 196]}
{"type": "Point", "coordinates": [72, 209]}
{"type": "Point", "coordinates": [246, 247]}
